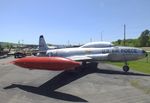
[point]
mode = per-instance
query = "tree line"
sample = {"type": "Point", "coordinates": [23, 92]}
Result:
{"type": "Point", "coordinates": [142, 41]}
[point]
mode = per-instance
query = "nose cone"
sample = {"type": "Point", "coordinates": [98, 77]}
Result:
{"type": "Point", "coordinates": [145, 53]}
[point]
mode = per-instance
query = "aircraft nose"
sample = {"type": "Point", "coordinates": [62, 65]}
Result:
{"type": "Point", "coordinates": [145, 53]}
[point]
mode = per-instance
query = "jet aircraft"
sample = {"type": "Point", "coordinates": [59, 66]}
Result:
{"type": "Point", "coordinates": [90, 52]}
{"type": "Point", "coordinates": [99, 51]}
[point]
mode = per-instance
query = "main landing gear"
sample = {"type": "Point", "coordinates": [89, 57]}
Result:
{"type": "Point", "coordinates": [126, 67]}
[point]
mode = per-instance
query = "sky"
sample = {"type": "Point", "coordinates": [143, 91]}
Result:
{"type": "Point", "coordinates": [72, 21]}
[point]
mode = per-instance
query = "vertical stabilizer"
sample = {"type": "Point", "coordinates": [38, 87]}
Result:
{"type": "Point", "coordinates": [42, 44]}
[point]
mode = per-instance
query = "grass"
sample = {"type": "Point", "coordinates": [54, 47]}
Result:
{"type": "Point", "coordinates": [142, 65]}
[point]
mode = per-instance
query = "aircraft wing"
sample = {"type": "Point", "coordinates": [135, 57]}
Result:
{"type": "Point", "coordinates": [79, 58]}
{"type": "Point", "coordinates": [91, 57]}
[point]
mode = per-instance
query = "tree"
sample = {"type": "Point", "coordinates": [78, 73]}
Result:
{"type": "Point", "coordinates": [144, 38]}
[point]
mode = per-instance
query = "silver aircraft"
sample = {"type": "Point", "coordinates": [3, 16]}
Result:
{"type": "Point", "coordinates": [99, 51]}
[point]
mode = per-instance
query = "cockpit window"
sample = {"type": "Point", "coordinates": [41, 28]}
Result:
{"type": "Point", "coordinates": [97, 45]}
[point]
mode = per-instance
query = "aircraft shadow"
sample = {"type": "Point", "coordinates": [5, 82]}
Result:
{"type": "Point", "coordinates": [47, 93]}
{"type": "Point", "coordinates": [48, 88]}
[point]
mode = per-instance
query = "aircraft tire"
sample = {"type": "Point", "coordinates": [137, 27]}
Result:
{"type": "Point", "coordinates": [126, 68]}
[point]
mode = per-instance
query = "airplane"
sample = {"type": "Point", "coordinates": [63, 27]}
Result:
{"type": "Point", "coordinates": [100, 54]}
{"type": "Point", "coordinates": [90, 52]}
{"type": "Point", "coordinates": [51, 63]}
{"type": "Point", "coordinates": [99, 51]}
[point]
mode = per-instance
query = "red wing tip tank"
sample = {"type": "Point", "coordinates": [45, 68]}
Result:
{"type": "Point", "coordinates": [46, 63]}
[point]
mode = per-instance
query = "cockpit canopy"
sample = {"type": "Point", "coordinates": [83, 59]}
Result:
{"type": "Point", "coordinates": [97, 45]}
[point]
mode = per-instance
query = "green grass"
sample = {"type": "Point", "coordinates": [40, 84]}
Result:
{"type": "Point", "coordinates": [142, 65]}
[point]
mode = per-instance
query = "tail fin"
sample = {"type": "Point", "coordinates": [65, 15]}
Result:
{"type": "Point", "coordinates": [42, 44]}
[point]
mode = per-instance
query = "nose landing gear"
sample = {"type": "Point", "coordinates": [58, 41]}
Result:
{"type": "Point", "coordinates": [126, 67]}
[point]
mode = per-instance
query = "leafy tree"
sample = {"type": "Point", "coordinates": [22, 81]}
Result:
{"type": "Point", "coordinates": [144, 38]}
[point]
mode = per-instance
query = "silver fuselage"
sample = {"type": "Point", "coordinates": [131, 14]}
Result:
{"type": "Point", "coordinates": [115, 53]}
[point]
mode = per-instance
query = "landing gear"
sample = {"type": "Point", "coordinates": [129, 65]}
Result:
{"type": "Point", "coordinates": [126, 67]}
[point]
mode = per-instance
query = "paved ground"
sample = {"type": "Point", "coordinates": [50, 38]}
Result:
{"type": "Point", "coordinates": [105, 84]}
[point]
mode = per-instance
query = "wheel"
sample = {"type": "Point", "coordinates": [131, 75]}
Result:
{"type": "Point", "coordinates": [125, 68]}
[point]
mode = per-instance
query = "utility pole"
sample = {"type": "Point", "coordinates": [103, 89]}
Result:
{"type": "Point", "coordinates": [101, 36]}
{"type": "Point", "coordinates": [124, 34]}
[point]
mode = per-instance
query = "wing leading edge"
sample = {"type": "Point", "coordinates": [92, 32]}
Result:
{"type": "Point", "coordinates": [93, 57]}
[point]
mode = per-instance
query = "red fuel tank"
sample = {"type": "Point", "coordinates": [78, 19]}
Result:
{"type": "Point", "coordinates": [46, 63]}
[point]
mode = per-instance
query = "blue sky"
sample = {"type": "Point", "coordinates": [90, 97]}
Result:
{"type": "Point", "coordinates": [75, 21]}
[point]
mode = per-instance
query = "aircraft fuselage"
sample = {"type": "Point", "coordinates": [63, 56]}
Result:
{"type": "Point", "coordinates": [101, 54]}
